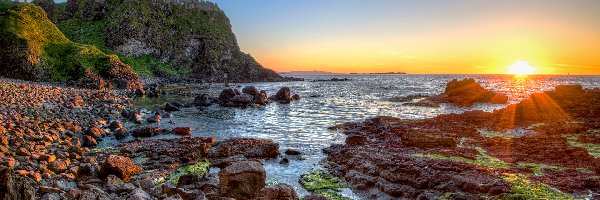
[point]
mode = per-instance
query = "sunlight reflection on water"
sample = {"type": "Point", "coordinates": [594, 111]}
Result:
{"type": "Point", "coordinates": [303, 124]}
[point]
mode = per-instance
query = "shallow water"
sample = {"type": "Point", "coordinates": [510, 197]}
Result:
{"type": "Point", "coordinates": [303, 124]}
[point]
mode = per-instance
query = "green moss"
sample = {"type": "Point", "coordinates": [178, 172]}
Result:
{"type": "Point", "coordinates": [482, 159]}
{"type": "Point", "coordinates": [148, 65]}
{"type": "Point", "coordinates": [593, 149]}
{"type": "Point", "coordinates": [111, 150]}
{"type": "Point", "coordinates": [323, 183]}
{"type": "Point", "coordinates": [523, 188]}
{"type": "Point", "coordinates": [199, 169]}
{"type": "Point", "coordinates": [491, 134]}
{"type": "Point", "coordinates": [537, 168]}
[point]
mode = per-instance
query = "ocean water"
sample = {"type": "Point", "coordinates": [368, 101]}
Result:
{"type": "Point", "coordinates": [303, 124]}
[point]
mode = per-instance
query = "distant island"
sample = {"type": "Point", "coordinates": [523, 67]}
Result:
{"type": "Point", "coordinates": [308, 72]}
{"type": "Point", "coordinates": [382, 73]}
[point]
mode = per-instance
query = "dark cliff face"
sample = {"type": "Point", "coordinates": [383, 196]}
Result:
{"type": "Point", "coordinates": [195, 37]}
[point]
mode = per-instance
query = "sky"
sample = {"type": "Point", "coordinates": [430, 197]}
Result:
{"type": "Point", "coordinates": [425, 37]}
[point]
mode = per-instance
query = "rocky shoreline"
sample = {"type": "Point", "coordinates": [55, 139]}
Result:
{"type": "Point", "coordinates": [47, 139]}
{"type": "Point", "coordinates": [542, 148]}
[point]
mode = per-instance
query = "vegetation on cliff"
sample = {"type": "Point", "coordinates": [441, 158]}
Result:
{"type": "Point", "coordinates": [35, 49]}
{"type": "Point", "coordinates": [164, 38]}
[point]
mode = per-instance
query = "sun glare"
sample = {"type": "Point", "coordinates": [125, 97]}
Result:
{"type": "Point", "coordinates": [521, 68]}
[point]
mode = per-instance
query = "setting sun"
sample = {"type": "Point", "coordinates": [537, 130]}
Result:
{"type": "Point", "coordinates": [521, 68]}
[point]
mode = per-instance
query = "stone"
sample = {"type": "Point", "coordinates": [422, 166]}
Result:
{"type": "Point", "coordinates": [279, 191]}
{"type": "Point", "coordinates": [182, 131]}
{"type": "Point", "coordinates": [292, 152]}
{"type": "Point", "coordinates": [116, 124]}
{"type": "Point", "coordinates": [139, 194]}
{"type": "Point", "coordinates": [171, 107]}
{"type": "Point", "coordinates": [89, 141]}
{"type": "Point", "coordinates": [120, 166]}
{"type": "Point", "coordinates": [284, 94]}
{"type": "Point", "coordinates": [242, 180]}
{"type": "Point", "coordinates": [114, 184]}
{"type": "Point", "coordinates": [242, 100]}
{"type": "Point", "coordinates": [251, 90]}
{"type": "Point", "coordinates": [13, 187]}
{"type": "Point", "coordinates": [154, 119]}
{"type": "Point", "coordinates": [226, 95]}
{"type": "Point", "coordinates": [58, 166]}
{"type": "Point", "coordinates": [148, 132]}
{"type": "Point", "coordinates": [202, 100]}
{"type": "Point", "coordinates": [355, 139]}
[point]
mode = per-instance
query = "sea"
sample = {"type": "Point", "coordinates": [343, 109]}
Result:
{"type": "Point", "coordinates": [303, 125]}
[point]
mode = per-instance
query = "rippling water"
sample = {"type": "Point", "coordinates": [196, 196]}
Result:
{"type": "Point", "coordinates": [303, 124]}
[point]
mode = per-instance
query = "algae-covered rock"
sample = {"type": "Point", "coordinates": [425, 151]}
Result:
{"type": "Point", "coordinates": [33, 48]}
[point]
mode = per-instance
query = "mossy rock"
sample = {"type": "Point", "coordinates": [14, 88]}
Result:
{"type": "Point", "coordinates": [324, 183]}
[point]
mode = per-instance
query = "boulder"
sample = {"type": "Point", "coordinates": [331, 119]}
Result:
{"type": "Point", "coordinates": [171, 107]}
{"type": "Point", "coordinates": [202, 100]}
{"type": "Point", "coordinates": [242, 180]}
{"type": "Point", "coordinates": [242, 100]}
{"type": "Point", "coordinates": [262, 98]}
{"type": "Point", "coordinates": [139, 194]}
{"type": "Point", "coordinates": [280, 192]}
{"type": "Point", "coordinates": [182, 131]}
{"type": "Point", "coordinates": [226, 95]}
{"type": "Point", "coordinates": [13, 187]}
{"type": "Point", "coordinates": [119, 166]}
{"type": "Point", "coordinates": [148, 132]}
{"type": "Point", "coordinates": [251, 90]}
{"type": "Point", "coordinates": [284, 94]}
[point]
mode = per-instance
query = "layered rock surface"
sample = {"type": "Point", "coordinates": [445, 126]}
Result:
{"type": "Point", "coordinates": [534, 144]}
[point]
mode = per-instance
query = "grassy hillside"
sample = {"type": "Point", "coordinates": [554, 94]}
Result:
{"type": "Point", "coordinates": [35, 49]}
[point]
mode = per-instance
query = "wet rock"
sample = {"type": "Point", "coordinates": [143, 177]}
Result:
{"type": "Point", "coordinates": [119, 166]}
{"type": "Point", "coordinates": [13, 187]}
{"type": "Point", "coordinates": [89, 141]}
{"type": "Point", "coordinates": [226, 95]}
{"type": "Point", "coordinates": [284, 161]}
{"type": "Point", "coordinates": [183, 193]}
{"type": "Point", "coordinates": [467, 92]}
{"type": "Point", "coordinates": [202, 100]}
{"type": "Point", "coordinates": [262, 98]}
{"type": "Point", "coordinates": [315, 197]}
{"type": "Point", "coordinates": [292, 152]}
{"type": "Point", "coordinates": [296, 97]}
{"type": "Point", "coordinates": [154, 119]}
{"type": "Point", "coordinates": [355, 140]}
{"type": "Point", "coordinates": [242, 100]}
{"type": "Point", "coordinates": [171, 107]}
{"type": "Point", "coordinates": [280, 191]}
{"type": "Point", "coordinates": [148, 132]}
{"type": "Point", "coordinates": [182, 131]}
{"type": "Point", "coordinates": [247, 147]}
{"type": "Point", "coordinates": [251, 90]}
{"type": "Point", "coordinates": [242, 180]}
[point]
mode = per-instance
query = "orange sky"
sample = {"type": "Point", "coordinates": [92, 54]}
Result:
{"type": "Point", "coordinates": [557, 37]}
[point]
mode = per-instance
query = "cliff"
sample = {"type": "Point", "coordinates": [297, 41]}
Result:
{"type": "Point", "coordinates": [187, 38]}
{"type": "Point", "coordinates": [34, 49]}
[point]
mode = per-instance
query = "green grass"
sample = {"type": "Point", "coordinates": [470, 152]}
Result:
{"type": "Point", "coordinates": [199, 169]}
{"type": "Point", "coordinates": [482, 159]}
{"type": "Point", "coordinates": [323, 183]}
{"type": "Point", "coordinates": [84, 32]}
{"type": "Point", "coordinates": [593, 149]}
{"type": "Point", "coordinates": [523, 188]}
{"type": "Point", "coordinates": [46, 48]}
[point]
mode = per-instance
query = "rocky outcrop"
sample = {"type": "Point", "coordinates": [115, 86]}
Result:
{"type": "Point", "coordinates": [13, 187]}
{"type": "Point", "coordinates": [35, 49]}
{"type": "Point", "coordinates": [464, 93]}
{"type": "Point", "coordinates": [425, 159]}
{"type": "Point", "coordinates": [194, 36]}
